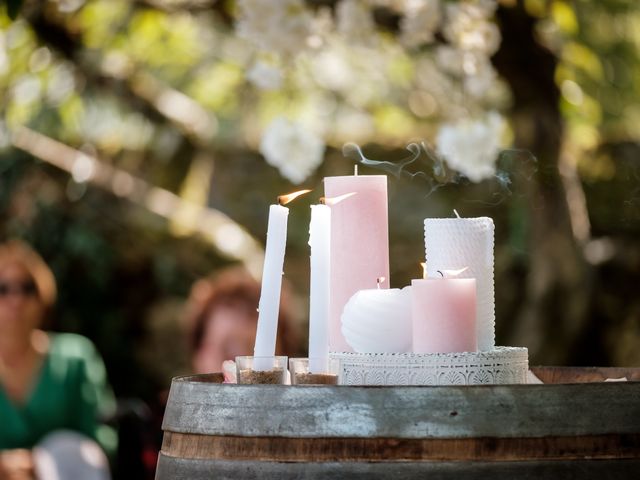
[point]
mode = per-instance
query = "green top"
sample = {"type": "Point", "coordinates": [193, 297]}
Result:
{"type": "Point", "coordinates": [70, 393]}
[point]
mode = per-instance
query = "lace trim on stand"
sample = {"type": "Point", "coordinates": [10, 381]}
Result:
{"type": "Point", "coordinates": [501, 365]}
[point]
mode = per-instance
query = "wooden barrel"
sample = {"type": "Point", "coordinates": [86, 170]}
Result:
{"type": "Point", "coordinates": [561, 430]}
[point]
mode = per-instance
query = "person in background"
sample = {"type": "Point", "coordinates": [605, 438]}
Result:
{"type": "Point", "coordinates": [221, 320]}
{"type": "Point", "coordinates": [52, 386]}
{"type": "Point", "coordinates": [219, 323]}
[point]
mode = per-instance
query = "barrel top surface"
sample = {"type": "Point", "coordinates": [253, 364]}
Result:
{"type": "Point", "coordinates": [201, 405]}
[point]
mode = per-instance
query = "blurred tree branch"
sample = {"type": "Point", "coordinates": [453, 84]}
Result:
{"type": "Point", "coordinates": [143, 93]}
{"type": "Point", "coordinates": [206, 220]}
{"type": "Point", "coordinates": [193, 6]}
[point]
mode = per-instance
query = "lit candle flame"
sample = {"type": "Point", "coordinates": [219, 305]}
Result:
{"type": "Point", "coordinates": [424, 269]}
{"type": "Point", "coordinates": [334, 200]}
{"type": "Point", "coordinates": [379, 281]}
{"type": "Point", "coordinates": [284, 199]}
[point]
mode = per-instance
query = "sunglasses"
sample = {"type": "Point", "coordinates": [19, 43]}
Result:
{"type": "Point", "coordinates": [27, 289]}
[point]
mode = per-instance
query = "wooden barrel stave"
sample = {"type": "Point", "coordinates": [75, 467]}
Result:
{"type": "Point", "coordinates": [404, 412]}
{"type": "Point", "coordinates": [247, 431]}
{"type": "Point", "coordinates": [281, 449]}
{"type": "Point", "coordinates": [195, 469]}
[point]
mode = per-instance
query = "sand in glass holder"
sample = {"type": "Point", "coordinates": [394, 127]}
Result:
{"type": "Point", "coordinates": [301, 375]}
{"type": "Point", "coordinates": [262, 370]}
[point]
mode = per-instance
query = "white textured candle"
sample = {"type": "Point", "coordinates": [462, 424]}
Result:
{"type": "Point", "coordinates": [456, 243]}
{"type": "Point", "coordinates": [319, 241]}
{"type": "Point", "coordinates": [269, 306]}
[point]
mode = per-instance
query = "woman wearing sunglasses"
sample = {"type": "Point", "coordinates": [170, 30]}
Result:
{"type": "Point", "coordinates": [52, 386]}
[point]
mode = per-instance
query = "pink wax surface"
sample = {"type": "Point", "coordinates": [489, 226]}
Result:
{"type": "Point", "coordinates": [444, 315]}
{"type": "Point", "coordinates": [359, 244]}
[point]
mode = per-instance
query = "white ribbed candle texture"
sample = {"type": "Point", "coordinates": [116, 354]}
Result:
{"type": "Point", "coordinates": [455, 243]}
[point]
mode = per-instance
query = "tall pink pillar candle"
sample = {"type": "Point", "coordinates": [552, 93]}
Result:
{"type": "Point", "coordinates": [444, 315]}
{"type": "Point", "coordinates": [359, 244]}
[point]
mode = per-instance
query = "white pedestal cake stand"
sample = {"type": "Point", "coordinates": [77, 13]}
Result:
{"type": "Point", "coordinates": [501, 365]}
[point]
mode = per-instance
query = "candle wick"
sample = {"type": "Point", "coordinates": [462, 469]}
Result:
{"type": "Point", "coordinates": [322, 201]}
{"type": "Point", "coordinates": [379, 280]}
{"type": "Point", "coordinates": [440, 272]}
{"type": "Point", "coordinates": [355, 169]}
{"type": "Point", "coordinates": [456, 212]}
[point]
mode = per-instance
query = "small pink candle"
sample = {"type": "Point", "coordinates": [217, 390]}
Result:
{"type": "Point", "coordinates": [444, 315]}
{"type": "Point", "coordinates": [359, 244]}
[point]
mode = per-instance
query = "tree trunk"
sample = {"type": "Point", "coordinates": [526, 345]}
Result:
{"type": "Point", "coordinates": [555, 306]}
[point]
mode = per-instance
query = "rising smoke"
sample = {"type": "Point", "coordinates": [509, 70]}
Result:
{"type": "Point", "coordinates": [425, 165]}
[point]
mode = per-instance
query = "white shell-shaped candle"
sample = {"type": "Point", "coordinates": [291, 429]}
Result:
{"type": "Point", "coordinates": [378, 321]}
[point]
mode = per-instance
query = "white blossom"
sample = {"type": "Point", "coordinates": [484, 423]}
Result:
{"type": "Point", "coordinates": [484, 79]}
{"type": "Point", "coordinates": [471, 146]}
{"type": "Point", "coordinates": [291, 148]}
{"type": "Point", "coordinates": [469, 26]}
{"type": "Point", "coordinates": [452, 60]}
{"type": "Point", "coordinates": [355, 21]}
{"type": "Point", "coordinates": [475, 70]}
{"type": "Point", "coordinates": [332, 70]}
{"type": "Point", "coordinates": [434, 79]}
{"type": "Point", "coordinates": [27, 88]}
{"type": "Point", "coordinates": [352, 125]}
{"type": "Point", "coordinates": [282, 26]}
{"type": "Point", "coordinates": [420, 21]}
{"type": "Point", "coordinates": [265, 76]}
{"type": "Point", "coordinates": [61, 83]}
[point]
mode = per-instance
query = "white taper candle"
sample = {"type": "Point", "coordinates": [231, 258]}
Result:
{"type": "Point", "coordinates": [269, 306]}
{"type": "Point", "coordinates": [320, 243]}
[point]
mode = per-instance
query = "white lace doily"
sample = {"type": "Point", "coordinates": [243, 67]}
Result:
{"type": "Point", "coordinates": [502, 365]}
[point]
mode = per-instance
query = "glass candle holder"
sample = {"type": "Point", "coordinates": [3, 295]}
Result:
{"type": "Point", "coordinates": [324, 371]}
{"type": "Point", "coordinates": [262, 370]}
